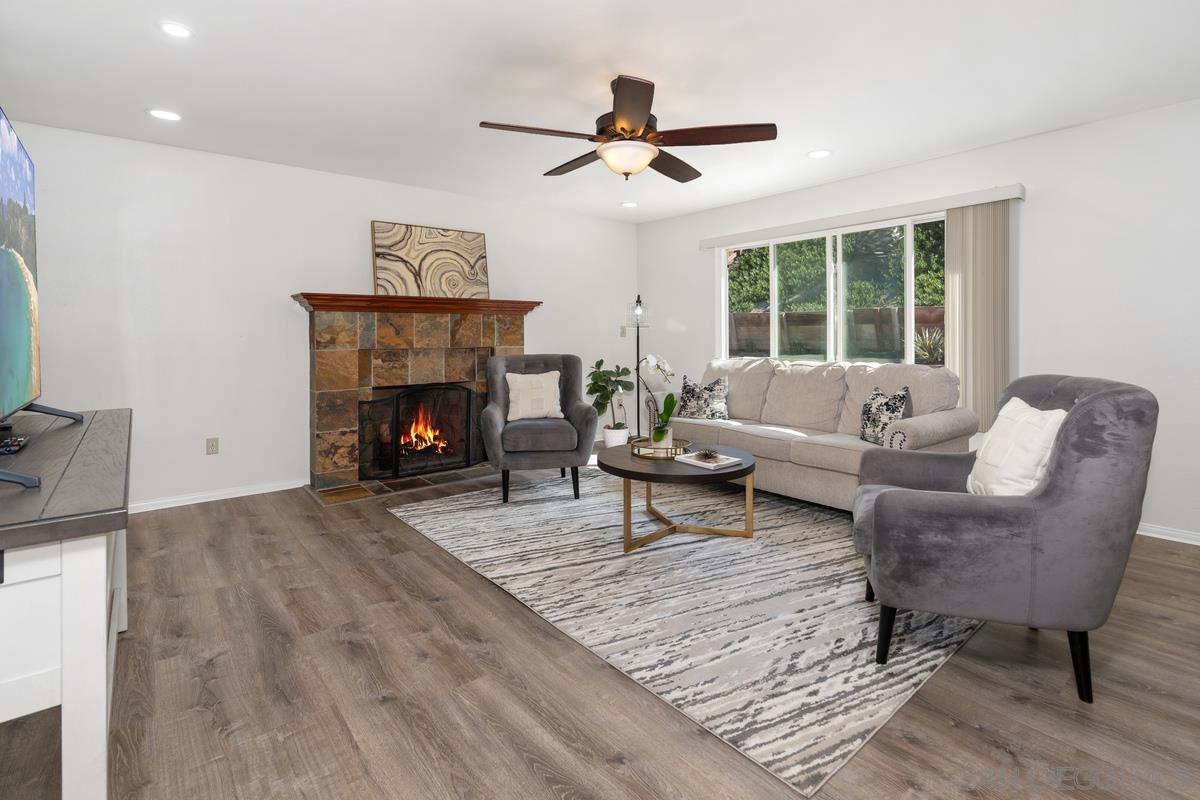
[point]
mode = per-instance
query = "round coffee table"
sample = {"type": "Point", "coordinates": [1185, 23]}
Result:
{"type": "Point", "coordinates": [621, 462]}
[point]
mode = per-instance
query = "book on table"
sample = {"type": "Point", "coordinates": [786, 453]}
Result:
{"type": "Point", "coordinates": [696, 460]}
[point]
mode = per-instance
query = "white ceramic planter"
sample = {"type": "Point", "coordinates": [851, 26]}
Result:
{"type": "Point", "coordinates": [665, 442]}
{"type": "Point", "coordinates": [615, 437]}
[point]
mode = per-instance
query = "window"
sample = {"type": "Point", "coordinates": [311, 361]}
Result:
{"type": "Point", "coordinates": [803, 285]}
{"type": "Point", "coordinates": [749, 280]}
{"type": "Point", "coordinates": [872, 292]}
{"type": "Point", "coordinates": [869, 293]}
{"type": "Point", "coordinates": [929, 245]}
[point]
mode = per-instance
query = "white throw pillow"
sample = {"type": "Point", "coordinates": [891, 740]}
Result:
{"type": "Point", "coordinates": [1015, 452]}
{"type": "Point", "coordinates": [533, 396]}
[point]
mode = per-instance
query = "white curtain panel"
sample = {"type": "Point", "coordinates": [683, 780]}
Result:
{"type": "Point", "coordinates": [977, 307]}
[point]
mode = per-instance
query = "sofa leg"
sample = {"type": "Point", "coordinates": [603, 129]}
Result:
{"type": "Point", "coordinates": [1081, 661]}
{"type": "Point", "coordinates": [575, 481]}
{"type": "Point", "coordinates": [562, 472]}
{"type": "Point", "coordinates": [870, 592]}
{"type": "Point", "coordinates": [887, 620]}
{"type": "Point", "coordinates": [504, 484]}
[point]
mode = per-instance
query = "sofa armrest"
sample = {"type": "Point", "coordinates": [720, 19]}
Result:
{"type": "Point", "coordinates": [584, 418]}
{"type": "Point", "coordinates": [933, 472]}
{"type": "Point", "coordinates": [951, 553]}
{"type": "Point", "coordinates": [928, 430]}
{"type": "Point", "coordinates": [492, 423]}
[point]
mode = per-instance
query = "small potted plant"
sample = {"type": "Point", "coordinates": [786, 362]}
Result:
{"type": "Point", "coordinates": [660, 418]}
{"type": "Point", "coordinates": [660, 433]}
{"type": "Point", "coordinates": [606, 386]}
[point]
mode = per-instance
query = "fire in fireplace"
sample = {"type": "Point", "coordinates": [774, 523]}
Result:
{"type": "Point", "coordinates": [411, 430]}
{"type": "Point", "coordinates": [422, 436]}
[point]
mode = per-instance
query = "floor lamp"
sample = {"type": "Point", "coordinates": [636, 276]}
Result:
{"type": "Point", "coordinates": [637, 318]}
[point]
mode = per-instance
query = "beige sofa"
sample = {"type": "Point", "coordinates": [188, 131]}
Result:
{"type": "Point", "coordinates": [801, 420]}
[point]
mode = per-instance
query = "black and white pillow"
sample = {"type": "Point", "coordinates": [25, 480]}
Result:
{"type": "Point", "coordinates": [881, 410]}
{"type": "Point", "coordinates": [704, 402]}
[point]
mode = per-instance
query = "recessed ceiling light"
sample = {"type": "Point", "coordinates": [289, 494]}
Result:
{"type": "Point", "coordinates": [820, 154]}
{"type": "Point", "coordinates": [176, 29]}
{"type": "Point", "coordinates": [169, 116]}
{"type": "Point", "coordinates": [629, 204]}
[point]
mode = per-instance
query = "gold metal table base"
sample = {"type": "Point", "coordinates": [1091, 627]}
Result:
{"type": "Point", "coordinates": [671, 526]}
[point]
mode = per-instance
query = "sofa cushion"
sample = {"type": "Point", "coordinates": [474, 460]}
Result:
{"type": "Point", "coordinates": [704, 402]}
{"type": "Point", "coordinates": [703, 431]}
{"type": "Point", "coordinates": [804, 394]}
{"type": "Point", "coordinates": [932, 389]}
{"type": "Point", "coordinates": [533, 395]}
{"type": "Point", "coordinates": [1015, 453]}
{"type": "Point", "coordinates": [765, 441]}
{"type": "Point", "coordinates": [839, 452]}
{"type": "Point", "coordinates": [528, 435]}
{"type": "Point", "coordinates": [881, 410]}
{"type": "Point", "coordinates": [748, 381]}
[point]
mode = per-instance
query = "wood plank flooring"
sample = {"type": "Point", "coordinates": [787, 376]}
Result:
{"type": "Point", "coordinates": [281, 649]}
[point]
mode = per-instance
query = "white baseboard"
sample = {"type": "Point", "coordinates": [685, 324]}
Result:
{"type": "Point", "coordinates": [1174, 534]}
{"type": "Point", "coordinates": [217, 494]}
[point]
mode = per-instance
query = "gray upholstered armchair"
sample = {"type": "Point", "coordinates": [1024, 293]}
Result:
{"type": "Point", "coordinates": [1051, 559]}
{"type": "Point", "coordinates": [538, 443]}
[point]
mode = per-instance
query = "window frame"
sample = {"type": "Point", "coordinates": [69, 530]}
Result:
{"type": "Point", "coordinates": [835, 284]}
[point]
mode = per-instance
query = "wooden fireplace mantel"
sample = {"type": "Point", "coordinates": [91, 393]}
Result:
{"type": "Point", "coordinates": [315, 301]}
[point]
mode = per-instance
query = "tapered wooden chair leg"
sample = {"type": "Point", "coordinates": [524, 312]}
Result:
{"type": "Point", "coordinates": [575, 481]}
{"type": "Point", "coordinates": [870, 592]}
{"type": "Point", "coordinates": [504, 484]}
{"type": "Point", "coordinates": [887, 620]}
{"type": "Point", "coordinates": [1081, 661]}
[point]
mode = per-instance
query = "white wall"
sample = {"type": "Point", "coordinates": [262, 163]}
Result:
{"type": "Point", "coordinates": [165, 278]}
{"type": "Point", "coordinates": [1108, 277]}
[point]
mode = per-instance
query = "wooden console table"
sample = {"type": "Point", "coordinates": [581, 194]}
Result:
{"type": "Point", "coordinates": [62, 583]}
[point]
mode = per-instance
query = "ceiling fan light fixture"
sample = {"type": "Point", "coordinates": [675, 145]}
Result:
{"type": "Point", "coordinates": [627, 156]}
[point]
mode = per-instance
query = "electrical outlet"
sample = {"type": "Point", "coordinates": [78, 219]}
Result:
{"type": "Point", "coordinates": [212, 446]}
{"type": "Point", "coordinates": [622, 331]}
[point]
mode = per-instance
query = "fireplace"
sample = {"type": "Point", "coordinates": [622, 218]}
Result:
{"type": "Point", "coordinates": [412, 430]}
{"type": "Point", "coordinates": [366, 348]}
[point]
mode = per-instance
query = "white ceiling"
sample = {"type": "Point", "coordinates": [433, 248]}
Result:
{"type": "Point", "coordinates": [395, 90]}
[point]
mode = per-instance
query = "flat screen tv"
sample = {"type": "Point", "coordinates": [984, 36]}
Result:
{"type": "Point", "coordinates": [20, 350]}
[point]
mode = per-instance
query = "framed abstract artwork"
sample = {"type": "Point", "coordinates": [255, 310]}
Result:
{"type": "Point", "coordinates": [417, 261]}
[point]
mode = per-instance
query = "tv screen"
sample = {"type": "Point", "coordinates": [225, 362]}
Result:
{"type": "Point", "coordinates": [20, 367]}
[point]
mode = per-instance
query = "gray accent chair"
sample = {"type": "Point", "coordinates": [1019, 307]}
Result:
{"type": "Point", "coordinates": [1051, 559]}
{"type": "Point", "coordinates": [538, 443]}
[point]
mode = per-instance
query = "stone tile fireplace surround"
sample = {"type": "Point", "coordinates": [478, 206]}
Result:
{"type": "Point", "coordinates": [361, 343]}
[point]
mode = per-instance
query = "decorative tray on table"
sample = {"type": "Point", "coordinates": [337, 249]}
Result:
{"type": "Point", "coordinates": [643, 447]}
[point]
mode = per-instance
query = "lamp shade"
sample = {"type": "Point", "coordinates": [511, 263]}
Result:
{"type": "Point", "coordinates": [627, 156]}
{"type": "Point", "coordinates": [637, 315]}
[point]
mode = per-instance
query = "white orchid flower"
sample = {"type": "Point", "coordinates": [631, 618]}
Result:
{"type": "Point", "coordinates": [658, 364]}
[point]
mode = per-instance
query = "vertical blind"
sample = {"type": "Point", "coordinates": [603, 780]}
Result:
{"type": "Point", "coordinates": [977, 306]}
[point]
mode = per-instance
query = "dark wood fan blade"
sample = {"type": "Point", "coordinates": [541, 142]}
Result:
{"type": "Point", "coordinates": [632, 98]}
{"type": "Point", "coordinates": [500, 126]}
{"type": "Point", "coordinates": [574, 164]}
{"type": "Point", "coordinates": [715, 134]}
{"type": "Point", "coordinates": [673, 167]}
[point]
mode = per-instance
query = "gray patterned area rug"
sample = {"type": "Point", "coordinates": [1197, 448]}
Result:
{"type": "Point", "coordinates": [766, 642]}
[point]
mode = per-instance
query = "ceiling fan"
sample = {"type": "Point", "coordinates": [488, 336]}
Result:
{"type": "Point", "coordinates": [630, 140]}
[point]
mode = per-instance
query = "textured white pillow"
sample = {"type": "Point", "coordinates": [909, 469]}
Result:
{"type": "Point", "coordinates": [533, 396]}
{"type": "Point", "coordinates": [1015, 452]}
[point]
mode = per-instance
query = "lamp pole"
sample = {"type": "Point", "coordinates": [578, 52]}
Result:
{"type": "Point", "coordinates": [638, 310]}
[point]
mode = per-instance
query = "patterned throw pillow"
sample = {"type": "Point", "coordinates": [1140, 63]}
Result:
{"type": "Point", "coordinates": [533, 396]}
{"type": "Point", "coordinates": [704, 402]}
{"type": "Point", "coordinates": [881, 410]}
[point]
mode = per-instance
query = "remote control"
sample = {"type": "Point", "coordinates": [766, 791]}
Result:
{"type": "Point", "coordinates": [12, 444]}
